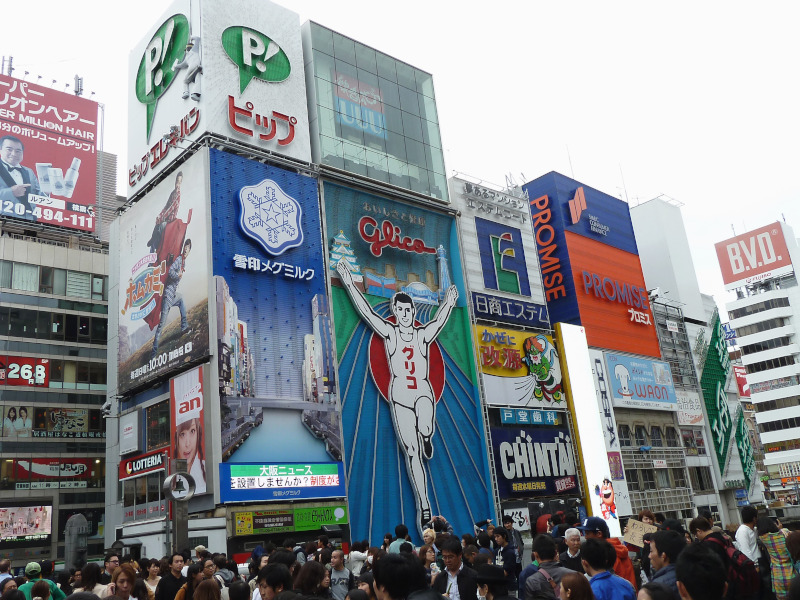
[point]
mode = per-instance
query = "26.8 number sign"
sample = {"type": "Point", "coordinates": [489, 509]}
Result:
{"type": "Point", "coordinates": [24, 371]}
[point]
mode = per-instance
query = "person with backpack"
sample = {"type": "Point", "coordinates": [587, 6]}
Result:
{"type": "Point", "coordinates": [744, 581]}
{"type": "Point", "coordinates": [781, 564]}
{"type": "Point", "coordinates": [545, 583]}
{"type": "Point", "coordinates": [605, 585]}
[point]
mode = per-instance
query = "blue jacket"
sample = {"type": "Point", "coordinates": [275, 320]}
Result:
{"type": "Point", "coordinates": [611, 587]}
{"type": "Point", "coordinates": [523, 577]}
{"type": "Point", "coordinates": [666, 576]}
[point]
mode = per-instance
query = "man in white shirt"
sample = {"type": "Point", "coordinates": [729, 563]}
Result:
{"type": "Point", "coordinates": [746, 538]}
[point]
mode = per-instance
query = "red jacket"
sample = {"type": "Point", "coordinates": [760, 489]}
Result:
{"type": "Point", "coordinates": [623, 567]}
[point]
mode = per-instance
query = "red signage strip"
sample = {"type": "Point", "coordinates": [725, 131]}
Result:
{"type": "Point", "coordinates": [753, 256]}
{"type": "Point", "coordinates": [142, 464]}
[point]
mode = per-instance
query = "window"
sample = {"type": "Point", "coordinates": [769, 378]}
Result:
{"type": "Point", "coordinates": [98, 287]}
{"type": "Point", "coordinates": [701, 479]}
{"type": "Point", "coordinates": [700, 442]}
{"type": "Point", "coordinates": [624, 435]}
{"type": "Point", "coordinates": [758, 307]}
{"type": "Point", "coordinates": [78, 284]}
{"type": "Point", "coordinates": [679, 477]}
{"type": "Point", "coordinates": [25, 277]}
{"type": "Point", "coordinates": [641, 435]}
{"type": "Point", "coordinates": [60, 282]}
{"type": "Point", "coordinates": [655, 437]}
{"type": "Point", "coordinates": [662, 479]}
{"type": "Point", "coordinates": [5, 274]}
{"type": "Point", "coordinates": [46, 280]}
{"type": "Point", "coordinates": [672, 438]}
{"type": "Point", "coordinates": [632, 477]}
{"type": "Point", "coordinates": [759, 327]}
{"type": "Point", "coordinates": [157, 426]}
{"type": "Point", "coordinates": [648, 479]}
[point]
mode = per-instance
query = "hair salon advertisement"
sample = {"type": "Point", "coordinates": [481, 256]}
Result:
{"type": "Point", "coordinates": [188, 439]}
{"type": "Point", "coordinates": [48, 155]}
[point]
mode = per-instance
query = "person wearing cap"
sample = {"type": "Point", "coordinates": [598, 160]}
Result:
{"type": "Point", "coordinates": [200, 552]}
{"type": "Point", "coordinates": [597, 528]}
{"type": "Point", "coordinates": [33, 571]}
{"type": "Point", "coordinates": [492, 583]}
{"type": "Point", "coordinates": [605, 585]}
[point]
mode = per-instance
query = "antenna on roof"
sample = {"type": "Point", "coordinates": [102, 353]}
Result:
{"type": "Point", "coordinates": [571, 172]}
{"type": "Point", "coordinates": [623, 183]}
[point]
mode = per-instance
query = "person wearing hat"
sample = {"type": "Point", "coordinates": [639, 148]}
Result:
{"type": "Point", "coordinates": [492, 583]}
{"type": "Point", "coordinates": [200, 552]}
{"type": "Point", "coordinates": [597, 528]}
{"type": "Point", "coordinates": [33, 571]}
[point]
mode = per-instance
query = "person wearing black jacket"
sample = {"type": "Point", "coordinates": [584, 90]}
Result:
{"type": "Point", "coordinates": [457, 581]}
{"type": "Point", "coordinates": [571, 557]}
{"type": "Point", "coordinates": [171, 582]}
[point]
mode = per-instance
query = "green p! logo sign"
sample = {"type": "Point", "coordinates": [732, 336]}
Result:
{"type": "Point", "coordinates": [156, 70]}
{"type": "Point", "coordinates": [256, 56]}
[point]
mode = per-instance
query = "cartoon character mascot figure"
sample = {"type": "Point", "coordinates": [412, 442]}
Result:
{"type": "Point", "coordinates": [607, 504]}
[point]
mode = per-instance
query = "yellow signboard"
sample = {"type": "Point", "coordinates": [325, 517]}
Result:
{"type": "Point", "coordinates": [519, 368]}
{"type": "Point", "coordinates": [244, 523]}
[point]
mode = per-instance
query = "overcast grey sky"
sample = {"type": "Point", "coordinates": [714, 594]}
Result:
{"type": "Point", "coordinates": [695, 100]}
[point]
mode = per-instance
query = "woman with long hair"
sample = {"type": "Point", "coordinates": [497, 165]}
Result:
{"type": "Point", "coordinates": [387, 541]}
{"type": "Point", "coordinates": [309, 579]}
{"type": "Point", "coordinates": [207, 590]}
{"type": "Point", "coordinates": [366, 583]}
{"type": "Point", "coordinates": [8, 422]}
{"type": "Point", "coordinates": [575, 586]}
{"type": "Point", "coordinates": [122, 580]}
{"type": "Point", "coordinates": [23, 424]}
{"type": "Point", "coordinates": [189, 447]}
{"type": "Point", "coordinates": [194, 575]}
{"type": "Point", "coordinates": [357, 556]}
{"type": "Point", "coordinates": [141, 591]}
{"type": "Point", "coordinates": [782, 565]}
{"type": "Point", "coordinates": [90, 580]}
{"type": "Point", "coordinates": [427, 556]}
{"type": "Point", "coordinates": [40, 590]}
{"type": "Point", "coordinates": [152, 572]}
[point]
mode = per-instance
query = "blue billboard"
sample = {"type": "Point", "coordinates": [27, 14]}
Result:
{"type": "Point", "coordinates": [533, 461]}
{"type": "Point", "coordinates": [412, 421]}
{"type": "Point", "coordinates": [580, 209]}
{"type": "Point", "coordinates": [640, 383]}
{"type": "Point", "coordinates": [273, 328]}
{"type": "Point", "coordinates": [265, 481]}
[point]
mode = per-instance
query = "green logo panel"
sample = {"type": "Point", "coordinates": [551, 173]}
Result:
{"type": "Point", "coordinates": [256, 55]}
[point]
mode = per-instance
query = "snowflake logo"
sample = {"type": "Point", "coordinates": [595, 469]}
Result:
{"type": "Point", "coordinates": [271, 217]}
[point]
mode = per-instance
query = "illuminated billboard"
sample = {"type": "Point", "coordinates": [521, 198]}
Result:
{"type": "Point", "coordinates": [411, 412]}
{"type": "Point", "coordinates": [276, 363]}
{"type": "Point", "coordinates": [519, 368]}
{"type": "Point", "coordinates": [641, 383]}
{"type": "Point", "coordinates": [586, 385]}
{"type": "Point", "coordinates": [164, 277]}
{"type": "Point", "coordinates": [230, 67]}
{"type": "Point", "coordinates": [48, 155]}
{"type": "Point", "coordinates": [25, 524]}
{"type": "Point", "coordinates": [753, 256]}
{"type": "Point", "coordinates": [188, 431]}
{"type": "Point", "coordinates": [21, 421]}
{"type": "Point", "coordinates": [533, 461]}
{"type": "Point", "coordinates": [251, 482]}
{"type": "Point", "coordinates": [499, 255]}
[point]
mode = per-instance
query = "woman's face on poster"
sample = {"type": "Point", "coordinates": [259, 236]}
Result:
{"type": "Point", "coordinates": [187, 442]}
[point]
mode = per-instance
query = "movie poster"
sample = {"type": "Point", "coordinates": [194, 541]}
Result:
{"type": "Point", "coordinates": [163, 320]}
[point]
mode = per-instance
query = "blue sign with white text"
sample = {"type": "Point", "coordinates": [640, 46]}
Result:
{"type": "Point", "coordinates": [260, 482]}
{"type": "Point", "coordinates": [640, 383]}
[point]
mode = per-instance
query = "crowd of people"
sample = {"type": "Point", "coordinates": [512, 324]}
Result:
{"type": "Point", "coordinates": [570, 560]}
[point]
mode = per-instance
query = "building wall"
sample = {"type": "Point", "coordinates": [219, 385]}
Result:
{"type": "Point", "coordinates": [63, 320]}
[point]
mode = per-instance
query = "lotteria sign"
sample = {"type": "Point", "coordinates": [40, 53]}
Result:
{"type": "Point", "coordinates": [141, 465]}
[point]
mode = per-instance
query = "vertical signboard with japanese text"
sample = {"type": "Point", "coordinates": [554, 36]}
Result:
{"type": "Point", "coordinates": [48, 155]}
{"type": "Point", "coordinates": [229, 67]}
{"type": "Point", "coordinates": [500, 257]}
{"type": "Point", "coordinates": [612, 492]}
{"type": "Point", "coordinates": [586, 385]}
{"type": "Point", "coordinates": [745, 448]}
{"type": "Point", "coordinates": [163, 291]}
{"type": "Point", "coordinates": [277, 371]}
{"type": "Point", "coordinates": [712, 381]}
{"type": "Point", "coordinates": [519, 368]}
{"type": "Point", "coordinates": [410, 406]}
{"type": "Point", "coordinates": [188, 439]}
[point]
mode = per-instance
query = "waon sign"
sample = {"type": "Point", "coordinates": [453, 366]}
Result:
{"type": "Point", "coordinates": [753, 256]}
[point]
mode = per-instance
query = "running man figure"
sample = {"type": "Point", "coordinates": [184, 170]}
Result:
{"type": "Point", "coordinates": [411, 397]}
{"type": "Point", "coordinates": [171, 296]}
